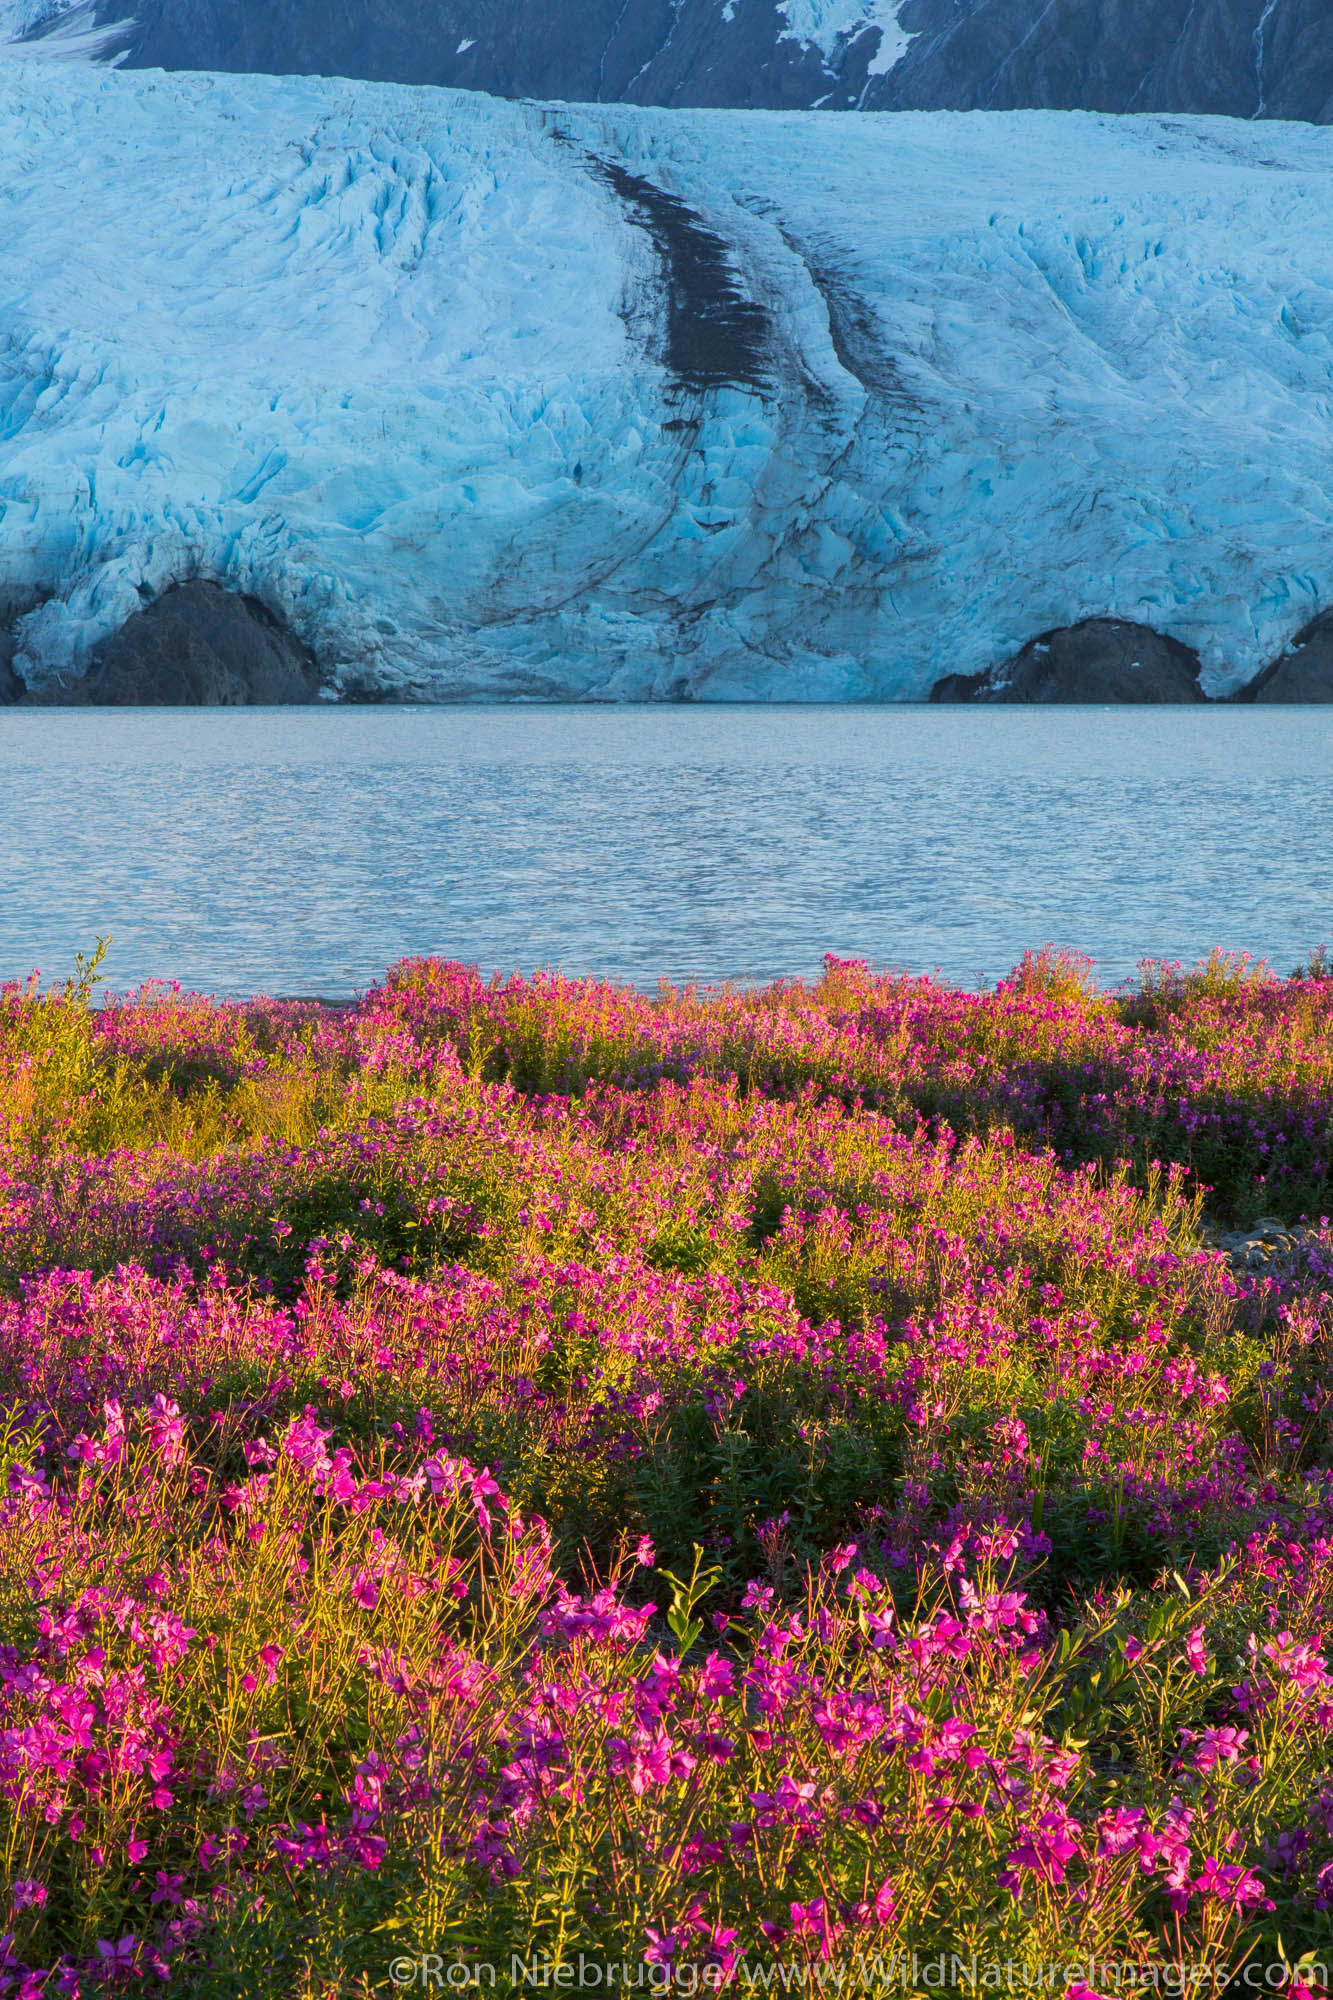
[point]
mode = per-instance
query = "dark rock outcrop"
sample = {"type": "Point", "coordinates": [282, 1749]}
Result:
{"type": "Point", "coordinates": [1244, 58]}
{"type": "Point", "coordinates": [1100, 660]}
{"type": "Point", "coordinates": [1304, 673]}
{"type": "Point", "coordinates": [13, 609]}
{"type": "Point", "coordinates": [196, 645]}
{"type": "Point", "coordinates": [1270, 1248]}
{"type": "Point", "coordinates": [11, 687]}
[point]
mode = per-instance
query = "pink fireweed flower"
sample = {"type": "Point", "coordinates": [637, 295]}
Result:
{"type": "Point", "coordinates": [1231, 1884]}
{"type": "Point", "coordinates": [106, 1450]}
{"type": "Point", "coordinates": [649, 1760]}
{"type": "Point", "coordinates": [603, 1616]}
{"type": "Point", "coordinates": [879, 1626]}
{"type": "Point", "coordinates": [816, 1922]}
{"type": "Point", "coordinates": [882, 1911]}
{"type": "Point", "coordinates": [166, 1430]}
{"type": "Point", "coordinates": [303, 1445]}
{"type": "Point", "coordinates": [118, 1957]}
{"type": "Point", "coordinates": [1044, 1851]}
{"type": "Point", "coordinates": [1301, 1664]}
{"type": "Point", "coordinates": [303, 1846]}
{"type": "Point", "coordinates": [269, 1657]}
{"type": "Point", "coordinates": [365, 1590]}
{"type": "Point", "coordinates": [366, 1850]}
{"type": "Point", "coordinates": [791, 1803]}
{"type": "Point", "coordinates": [717, 1951]}
{"type": "Point", "coordinates": [366, 1796]}
{"type": "Point", "coordinates": [1011, 1434]}
{"type": "Point", "coordinates": [1196, 1656]}
{"type": "Point", "coordinates": [716, 1678]}
{"type": "Point", "coordinates": [1219, 1746]}
{"type": "Point", "coordinates": [1121, 1829]}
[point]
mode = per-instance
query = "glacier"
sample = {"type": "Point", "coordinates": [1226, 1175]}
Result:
{"type": "Point", "coordinates": [495, 400]}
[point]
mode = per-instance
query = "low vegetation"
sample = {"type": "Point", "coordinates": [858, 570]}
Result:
{"type": "Point", "coordinates": [739, 1488]}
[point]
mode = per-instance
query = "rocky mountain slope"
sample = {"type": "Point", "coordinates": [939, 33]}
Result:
{"type": "Point", "coordinates": [1239, 58]}
{"type": "Point", "coordinates": [782, 53]}
{"type": "Point", "coordinates": [466, 398]}
{"type": "Point", "coordinates": [1243, 58]}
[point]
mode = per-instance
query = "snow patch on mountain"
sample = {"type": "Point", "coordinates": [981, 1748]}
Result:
{"type": "Point", "coordinates": [500, 399]}
{"type": "Point", "coordinates": [829, 25]}
{"type": "Point", "coordinates": [59, 31]}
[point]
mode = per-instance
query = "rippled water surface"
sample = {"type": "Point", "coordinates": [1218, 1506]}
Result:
{"type": "Point", "coordinates": [301, 851]}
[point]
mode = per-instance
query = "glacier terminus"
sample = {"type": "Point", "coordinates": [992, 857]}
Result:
{"type": "Point", "coordinates": [494, 399]}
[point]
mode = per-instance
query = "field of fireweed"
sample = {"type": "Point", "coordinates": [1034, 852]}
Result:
{"type": "Point", "coordinates": [741, 1487]}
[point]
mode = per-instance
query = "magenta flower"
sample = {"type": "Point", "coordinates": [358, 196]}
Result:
{"type": "Point", "coordinates": [1197, 1658]}
{"type": "Point", "coordinates": [1232, 1884]}
{"type": "Point", "coordinates": [660, 1947]}
{"type": "Point", "coordinates": [118, 1957]}
{"type": "Point", "coordinates": [816, 1922]}
{"type": "Point", "coordinates": [365, 1590]}
{"type": "Point", "coordinates": [1045, 1850]}
{"type": "Point", "coordinates": [1219, 1746]}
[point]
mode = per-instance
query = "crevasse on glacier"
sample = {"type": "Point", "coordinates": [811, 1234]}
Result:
{"type": "Point", "coordinates": [493, 399]}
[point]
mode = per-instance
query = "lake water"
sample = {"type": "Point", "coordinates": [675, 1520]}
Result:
{"type": "Point", "coordinates": [301, 851]}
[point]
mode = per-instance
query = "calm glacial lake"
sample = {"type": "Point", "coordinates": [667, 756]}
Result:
{"type": "Point", "coordinates": [302, 851]}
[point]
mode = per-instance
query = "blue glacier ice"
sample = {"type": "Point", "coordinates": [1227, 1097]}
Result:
{"type": "Point", "coordinates": [496, 399]}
